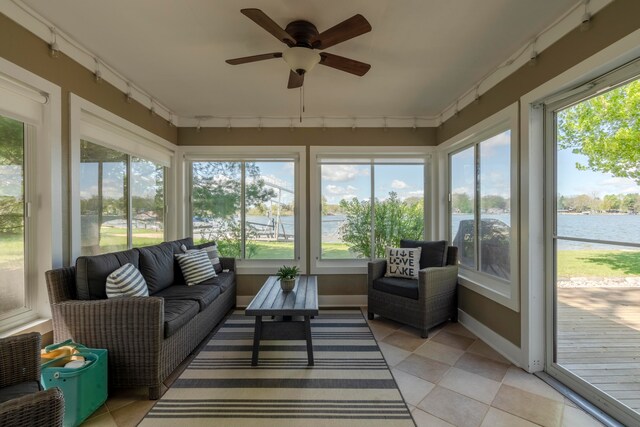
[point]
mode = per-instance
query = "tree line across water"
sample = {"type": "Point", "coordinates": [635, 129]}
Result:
{"type": "Point", "coordinates": [610, 203]}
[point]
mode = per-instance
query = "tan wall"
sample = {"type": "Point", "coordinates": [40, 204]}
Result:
{"type": "Point", "coordinates": [612, 23]}
{"type": "Point", "coordinates": [23, 48]}
{"type": "Point", "coordinates": [308, 136]}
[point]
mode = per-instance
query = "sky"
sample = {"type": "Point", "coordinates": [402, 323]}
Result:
{"type": "Point", "coordinates": [494, 168]}
{"type": "Point", "coordinates": [572, 182]}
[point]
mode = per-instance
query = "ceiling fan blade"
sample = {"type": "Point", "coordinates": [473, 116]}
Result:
{"type": "Point", "coordinates": [261, 18]}
{"type": "Point", "coordinates": [352, 27]}
{"type": "Point", "coordinates": [254, 58]}
{"type": "Point", "coordinates": [295, 80]}
{"type": "Point", "coordinates": [344, 64]}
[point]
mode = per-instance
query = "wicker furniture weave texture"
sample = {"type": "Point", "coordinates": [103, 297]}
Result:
{"type": "Point", "coordinates": [132, 328]}
{"type": "Point", "coordinates": [20, 366]}
{"type": "Point", "coordinates": [436, 302]}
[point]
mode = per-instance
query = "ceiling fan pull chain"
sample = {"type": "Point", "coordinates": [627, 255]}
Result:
{"type": "Point", "coordinates": [300, 104]}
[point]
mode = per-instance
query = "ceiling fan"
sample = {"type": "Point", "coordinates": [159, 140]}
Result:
{"type": "Point", "coordinates": [303, 39]}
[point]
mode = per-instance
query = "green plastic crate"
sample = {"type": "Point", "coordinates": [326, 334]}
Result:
{"type": "Point", "coordinates": [84, 389]}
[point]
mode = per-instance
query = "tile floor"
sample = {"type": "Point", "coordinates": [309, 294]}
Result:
{"type": "Point", "coordinates": [455, 379]}
{"type": "Point", "coordinates": [450, 379]}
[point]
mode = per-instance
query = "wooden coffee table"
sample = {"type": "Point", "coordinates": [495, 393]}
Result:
{"type": "Point", "coordinates": [302, 301]}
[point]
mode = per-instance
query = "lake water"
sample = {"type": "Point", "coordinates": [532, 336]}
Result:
{"type": "Point", "coordinates": [623, 228]}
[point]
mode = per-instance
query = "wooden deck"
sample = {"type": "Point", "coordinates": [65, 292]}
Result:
{"type": "Point", "coordinates": [599, 339]}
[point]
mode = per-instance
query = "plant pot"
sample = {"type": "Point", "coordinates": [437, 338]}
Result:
{"type": "Point", "coordinates": [287, 285]}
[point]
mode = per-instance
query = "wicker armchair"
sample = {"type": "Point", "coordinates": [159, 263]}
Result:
{"type": "Point", "coordinates": [433, 303]}
{"type": "Point", "coordinates": [28, 405]}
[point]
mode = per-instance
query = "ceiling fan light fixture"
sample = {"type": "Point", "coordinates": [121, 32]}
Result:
{"type": "Point", "coordinates": [301, 59]}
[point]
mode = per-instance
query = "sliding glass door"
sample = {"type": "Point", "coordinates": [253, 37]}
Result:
{"type": "Point", "coordinates": [594, 246]}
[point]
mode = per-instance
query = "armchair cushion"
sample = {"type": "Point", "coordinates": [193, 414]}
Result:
{"type": "Point", "coordinates": [178, 313]}
{"type": "Point", "coordinates": [92, 272]}
{"type": "Point", "coordinates": [18, 390]}
{"type": "Point", "coordinates": [407, 288]}
{"type": "Point", "coordinates": [433, 253]}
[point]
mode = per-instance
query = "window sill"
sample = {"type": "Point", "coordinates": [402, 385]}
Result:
{"type": "Point", "coordinates": [42, 325]}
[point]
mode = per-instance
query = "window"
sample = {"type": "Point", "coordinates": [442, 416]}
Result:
{"type": "Point", "coordinates": [13, 219]}
{"type": "Point", "coordinates": [249, 204]}
{"type": "Point", "coordinates": [30, 198]}
{"type": "Point", "coordinates": [365, 202]}
{"type": "Point", "coordinates": [482, 211]}
{"type": "Point", "coordinates": [106, 176]}
{"type": "Point", "coordinates": [480, 205]}
{"type": "Point", "coordinates": [247, 207]}
{"type": "Point", "coordinates": [120, 178]}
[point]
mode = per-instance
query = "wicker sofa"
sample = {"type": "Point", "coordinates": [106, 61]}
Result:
{"type": "Point", "coordinates": [147, 337]}
{"type": "Point", "coordinates": [22, 400]}
{"type": "Point", "coordinates": [422, 303]}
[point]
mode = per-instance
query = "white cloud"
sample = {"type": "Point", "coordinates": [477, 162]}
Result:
{"type": "Point", "coordinates": [341, 173]}
{"type": "Point", "coordinates": [340, 191]}
{"type": "Point", "coordinates": [396, 184]}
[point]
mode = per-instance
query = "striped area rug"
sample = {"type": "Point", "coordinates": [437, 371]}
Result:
{"type": "Point", "coordinates": [350, 384]}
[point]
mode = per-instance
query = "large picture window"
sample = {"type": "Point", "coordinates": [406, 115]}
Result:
{"type": "Point", "coordinates": [247, 206]}
{"type": "Point", "coordinates": [122, 200]}
{"type": "Point", "coordinates": [366, 203]}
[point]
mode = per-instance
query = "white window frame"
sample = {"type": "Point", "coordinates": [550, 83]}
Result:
{"type": "Point", "coordinates": [190, 154]}
{"type": "Point", "coordinates": [43, 176]}
{"type": "Point", "coordinates": [357, 266]}
{"type": "Point", "coordinates": [499, 290]}
{"type": "Point", "coordinates": [96, 125]}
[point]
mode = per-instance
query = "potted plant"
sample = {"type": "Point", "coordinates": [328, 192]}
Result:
{"type": "Point", "coordinates": [287, 277]}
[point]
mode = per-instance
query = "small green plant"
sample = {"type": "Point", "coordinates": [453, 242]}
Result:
{"type": "Point", "coordinates": [287, 273]}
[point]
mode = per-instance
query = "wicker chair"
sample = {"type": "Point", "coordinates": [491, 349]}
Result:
{"type": "Point", "coordinates": [433, 303]}
{"type": "Point", "coordinates": [28, 404]}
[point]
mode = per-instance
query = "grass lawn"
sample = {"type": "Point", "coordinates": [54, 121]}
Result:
{"type": "Point", "coordinates": [284, 250]}
{"type": "Point", "coordinates": [598, 263]}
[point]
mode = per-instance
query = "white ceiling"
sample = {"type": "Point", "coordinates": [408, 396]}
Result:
{"type": "Point", "coordinates": [424, 53]}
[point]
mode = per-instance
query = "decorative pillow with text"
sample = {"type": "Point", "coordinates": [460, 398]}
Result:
{"type": "Point", "coordinates": [403, 262]}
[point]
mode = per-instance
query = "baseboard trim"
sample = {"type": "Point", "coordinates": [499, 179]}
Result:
{"type": "Point", "coordinates": [324, 301]}
{"type": "Point", "coordinates": [506, 348]}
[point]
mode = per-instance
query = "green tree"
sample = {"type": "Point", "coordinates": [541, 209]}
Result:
{"type": "Point", "coordinates": [216, 196]}
{"type": "Point", "coordinates": [461, 203]}
{"type": "Point", "coordinates": [606, 129]}
{"type": "Point", "coordinates": [11, 187]}
{"type": "Point", "coordinates": [631, 203]}
{"type": "Point", "coordinates": [494, 202]}
{"type": "Point", "coordinates": [394, 220]}
{"type": "Point", "coordinates": [611, 202]}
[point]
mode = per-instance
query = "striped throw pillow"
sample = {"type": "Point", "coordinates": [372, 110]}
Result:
{"type": "Point", "coordinates": [212, 252]}
{"type": "Point", "coordinates": [196, 267]}
{"type": "Point", "coordinates": [126, 281]}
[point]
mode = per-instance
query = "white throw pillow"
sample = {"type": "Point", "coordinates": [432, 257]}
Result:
{"type": "Point", "coordinates": [403, 262]}
{"type": "Point", "coordinates": [196, 267]}
{"type": "Point", "coordinates": [126, 281]}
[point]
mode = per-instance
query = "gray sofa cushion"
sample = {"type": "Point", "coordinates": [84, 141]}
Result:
{"type": "Point", "coordinates": [18, 390]}
{"type": "Point", "coordinates": [433, 253]}
{"type": "Point", "coordinates": [92, 272]}
{"type": "Point", "coordinates": [407, 288]}
{"type": "Point", "coordinates": [202, 294]}
{"type": "Point", "coordinates": [178, 313]}
{"type": "Point", "coordinates": [158, 266]}
{"type": "Point", "coordinates": [223, 281]}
